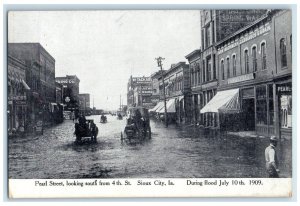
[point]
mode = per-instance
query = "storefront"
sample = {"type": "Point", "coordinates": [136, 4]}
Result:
{"type": "Point", "coordinates": [284, 93]}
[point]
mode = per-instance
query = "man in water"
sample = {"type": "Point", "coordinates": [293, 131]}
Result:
{"type": "Point", "coordinates": [271, 158]}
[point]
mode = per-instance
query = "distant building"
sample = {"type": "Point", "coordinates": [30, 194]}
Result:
{"type": "Point", "coordinates": [70, 92]}
{"type": "Point", "coordinates": [139, 92]}
{"type": "Point", "coordinates": [155, 98]}
{"type": "Point", "coordinates": [84, 103]}
{"type": "Point", "coordinates": [177, 87]}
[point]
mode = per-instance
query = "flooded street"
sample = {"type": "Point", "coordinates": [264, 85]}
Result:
{"type": "Point", "coordinates": [173, 152]}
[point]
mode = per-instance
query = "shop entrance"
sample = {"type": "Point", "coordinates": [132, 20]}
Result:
{"type": "Point", "coordinates": [248, 114]}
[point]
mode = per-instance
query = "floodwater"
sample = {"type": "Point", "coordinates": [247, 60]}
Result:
{"type": "Point", "coordinates": [173, 152]}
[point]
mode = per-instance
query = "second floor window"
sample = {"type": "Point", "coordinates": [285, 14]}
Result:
{"type": "Point", "coordinates": [254, 59]}
{"type": "Point", "coordinates": [222, 70]}
{"type": "Point", "coordinates": [246, 56]}
{"type": "Point", "coordinates": [283, 52]}
{"type": "Point", "coordinates": [228, 67]}
{"type": "Point", "coordinates": [234, 65]}
{"type": "Point", "coordinates": [263, 56]}
{"type": "Point", "coordinates": [208, 76]}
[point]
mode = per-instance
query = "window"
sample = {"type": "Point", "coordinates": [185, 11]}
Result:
{"type": "Point", "coordinates": [246, 56]}
{"type": "Point", "coordinates": [199, 74]}
{"type": "Point", "coordinates": [203, 69]}
{"type": "Point", "coordinates": [192, 76]}
{"type": "Point", "coordinates": [207, 36]}
{"type": "Point", "coordinates": [234, 65]}
{"type": "Point", "coordinates": [263, 56]}
{"type": "Point", "coordinates": [222, 70]}
{"type": "Point", "coordinates": [228, 67]}
{"type": "Point", "coordinates": [214, 67]}
{"type": "Point", "coordinates": [271, 104]}
{"type": "Point", "coordinates": [208, 76]}
{"type": "Point", "coordinates": [283, 53]}
{"type": "Point", "coordinates": [254, 59]}
{"type": "Point", "coordinates": [261, 105]}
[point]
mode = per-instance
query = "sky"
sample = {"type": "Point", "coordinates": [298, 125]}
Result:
{"type": "Point", "coordinates": [103, 48]}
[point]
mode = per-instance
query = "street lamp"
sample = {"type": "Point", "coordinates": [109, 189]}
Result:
{"type": "Point", "coordinates": [159, 64]}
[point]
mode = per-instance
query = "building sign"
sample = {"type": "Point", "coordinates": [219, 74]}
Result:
{"type": "Point", "coordinates": [20, 102]}
{"type": "Point", "coordinates": [241, 78]}
{"type": "Point", "coordinates": [66, 81]}
{"type": "Point", "coordinates": [284, 88]}
{"type": "Point", "coordinates": [229, 21]}
{"type": "Point", "coordinates": [141, 79]}
{"type": "Point", "coordinates": [17, 98]}
{"type": "Point", "coordinates": [245, 38]}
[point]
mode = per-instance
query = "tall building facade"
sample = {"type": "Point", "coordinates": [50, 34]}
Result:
{"type": "Point", "coordinates": [215, 25]}
{"type": "Point", "coordinates": [40, 77]}
{"type": "Point", "coordinates": [255, 77]}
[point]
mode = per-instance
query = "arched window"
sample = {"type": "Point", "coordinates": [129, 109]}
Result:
{"type": "Point", "coordinates": [254, 59]}
{"type": "Point", "coordinates": [222, 70]}
{"type": "Point", "coordinates": [283, 52]}
{"type": "Point", "coordinates": [228, 67]}
{"type": "Point", "coordinates": [246, 57]}
{"type": "Point", "coordinates": [263, 56]}
{"type": "Point", "coordinates": [234, 65]}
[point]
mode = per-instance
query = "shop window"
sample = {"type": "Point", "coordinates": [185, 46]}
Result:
{"type": "Point", "coordinates": [234, 65]}
{"type": "Point", "coordinates": [228, 67]}
{"type": "Point", "coordinates": [246, 58]}
{"type": "Point", "coordinates": [263, 56]}
{"type": "Point", "coordinates": [271, 104]}
{"type": "Point", "coordinates": [254, 59]}
{"type": "Point", "coordinates": [261, 105]}
{"type": "Point", "coordinates": [283, 53]}
{"type": "Point", "coordinates": [285, 101]}
{"type": "Point", "coordinates": [222, 70]}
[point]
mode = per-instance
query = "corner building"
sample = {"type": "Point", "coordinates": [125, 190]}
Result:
{"type": "Point", "coordinates": [255, 77]}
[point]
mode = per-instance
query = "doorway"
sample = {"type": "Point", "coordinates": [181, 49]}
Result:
{"type": "Point", "coordinates": [248, 114]}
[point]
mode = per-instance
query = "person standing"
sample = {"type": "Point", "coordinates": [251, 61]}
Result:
{"type": "Point", "coordinates": [271, 158]}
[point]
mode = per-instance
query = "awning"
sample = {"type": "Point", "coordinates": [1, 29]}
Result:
{"type": "Point", "coordinates": [224, 101]}
{"type": "Point", "coordinates": [156, 107]}
{"type": "Point", "coordinates": [25, 85]}
{"type": "Point", "coordinates": [170, 107]}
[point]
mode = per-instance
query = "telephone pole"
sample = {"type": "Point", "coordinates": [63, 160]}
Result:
{"type": "Point", "coordinates": [159, 64]}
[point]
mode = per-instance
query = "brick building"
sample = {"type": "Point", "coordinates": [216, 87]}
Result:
{"type": "Point", "coordinates": [255, 76]}
{"type": "Point", "coordinates": [40, 77]}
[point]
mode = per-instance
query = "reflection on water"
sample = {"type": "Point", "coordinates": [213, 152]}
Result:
{"type": "Point", "coordinates": [178, 152]}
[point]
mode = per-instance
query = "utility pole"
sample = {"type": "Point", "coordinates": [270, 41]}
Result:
{"type": "Point", "coordinates": [159, 64]}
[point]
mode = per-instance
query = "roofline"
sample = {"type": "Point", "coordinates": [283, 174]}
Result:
{"type": "Point", "coordinates": [193, 53]}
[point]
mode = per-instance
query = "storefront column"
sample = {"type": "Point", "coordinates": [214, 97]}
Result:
{"type": "Point", "coordinates": [276, 112]}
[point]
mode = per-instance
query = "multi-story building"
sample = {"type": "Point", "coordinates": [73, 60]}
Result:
{"type": "Point", "coordinates": [84, 103]}
{"type": "Point", "coordinates": [40, 77]}
{"type": "Point", "coordinates": [177, 88]}
{"type": "Point", "coordinates": [70, 92]}
{"type": "Point", "coordinates": [255, 77]}
{"type": "Point", "coordinates": [215, 25]}
{"type": "Point", "coordinates": [139, 92]}
{"type": "Point", "coordinates": [155, 98]}
{"type": "Point", "coordinates": [17, 95]}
